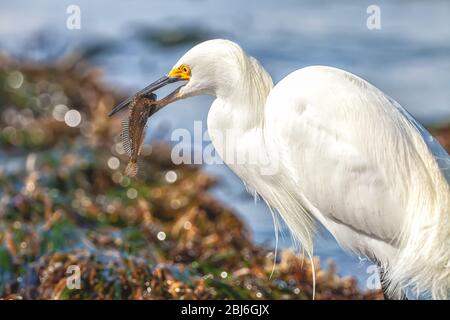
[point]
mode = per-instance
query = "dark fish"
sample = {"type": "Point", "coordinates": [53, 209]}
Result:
{"type": "Point", "coordinates": [140, 108]}
{"type": "Point", "coordinates": [133, 129]}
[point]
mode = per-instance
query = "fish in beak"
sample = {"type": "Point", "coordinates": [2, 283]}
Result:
{"type": "Point", "coordinates": [180, 73]}
{"type": "Point", "coordinates": [141, 107]}
{"type": "Point", "coordinates": [163, 81]}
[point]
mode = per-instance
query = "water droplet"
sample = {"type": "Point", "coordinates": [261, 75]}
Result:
{"type": "Point", "coordinates": [171, 176]}
{"type": "Point", "coordinates": [59, 111]}
{"type": "Point", "coordinates": [113, 163]}
{"type": "Point", "coordinates": [72, 118]}
{"type": "Point", "coordinates": [15, 79]}
{"type": "Point", "coordinates": [187, 225]}
{"type": "Point", "coordinates": [132, 194]}
{"type": "Point", "coordinates": [119, 148]}
{"type": "Point", "coordinates": [117, 177]}
{"type": "Point", "coordinates": [161, 236]}
{"type": "Point", "coordinates": [124, 181]}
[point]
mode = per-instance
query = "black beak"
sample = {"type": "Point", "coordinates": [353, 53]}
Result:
{"type": "Point", "coordinates": [147, 90]}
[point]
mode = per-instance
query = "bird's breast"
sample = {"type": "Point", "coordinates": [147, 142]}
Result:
{"type": "Point", "coordinates": [240, 146]}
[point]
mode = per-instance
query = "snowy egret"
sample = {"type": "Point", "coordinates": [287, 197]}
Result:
{"type": "Point", "coordinates": [346, 155]}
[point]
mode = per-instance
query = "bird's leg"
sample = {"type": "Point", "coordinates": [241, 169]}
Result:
{"type": "Point", "coordinates": [387, 295]}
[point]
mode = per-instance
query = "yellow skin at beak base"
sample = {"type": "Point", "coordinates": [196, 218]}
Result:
{"type": "Point", "coordinates": [183, 72]}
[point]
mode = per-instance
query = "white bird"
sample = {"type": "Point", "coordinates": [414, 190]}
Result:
{"type": "Point", "coordinates": [325, 145]}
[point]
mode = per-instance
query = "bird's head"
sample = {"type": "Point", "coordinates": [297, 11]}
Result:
{"type": "Point", "coordinates": [209, 68]}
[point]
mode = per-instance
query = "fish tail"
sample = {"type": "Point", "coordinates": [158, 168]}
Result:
{"type": "Point", "coordinates": [131, 169]}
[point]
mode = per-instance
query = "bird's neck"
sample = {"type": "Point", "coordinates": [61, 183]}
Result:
{"type": "Point", "coordinates": [243, 104]}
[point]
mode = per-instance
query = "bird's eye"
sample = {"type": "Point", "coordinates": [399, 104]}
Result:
{"type": "Point", "coordinates": [185, 69]}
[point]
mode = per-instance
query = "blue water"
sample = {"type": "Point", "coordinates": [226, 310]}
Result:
{"type": "Point", "coordinates": [409, 59]}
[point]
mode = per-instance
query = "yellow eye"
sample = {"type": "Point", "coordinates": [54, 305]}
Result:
{"type": "Point", "coordinates": [185, 69]}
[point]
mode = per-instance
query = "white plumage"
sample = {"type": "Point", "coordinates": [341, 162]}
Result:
{"type": "Point", "coordinates": [337, 150]}
{"type": "Point", "coordinates": [361, 166]}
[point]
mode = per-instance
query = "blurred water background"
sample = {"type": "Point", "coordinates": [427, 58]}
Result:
{"type": "Point", "coordinates": [135, 42]}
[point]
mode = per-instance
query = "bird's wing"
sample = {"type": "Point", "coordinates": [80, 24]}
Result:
{"type": "Point", "coordinates": [436, 149]}
{"type": "Point", "coordinates": [352, 152]}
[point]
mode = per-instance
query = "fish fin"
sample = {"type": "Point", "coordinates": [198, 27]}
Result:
{"type": "Point", "coordinates": [125, 134]}
{"type": "Point", "coordinates": [132, 169]}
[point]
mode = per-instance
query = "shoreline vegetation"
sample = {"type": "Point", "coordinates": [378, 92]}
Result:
{"type": "Point", "coordinates": [65, 203]}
